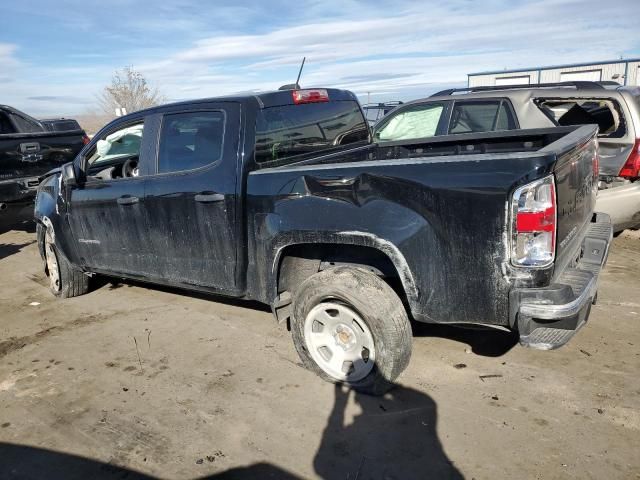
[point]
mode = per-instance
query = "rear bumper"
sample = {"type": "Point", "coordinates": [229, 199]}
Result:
{"type": "Point", "coordinates": [622, 204]}
{"type": "Point", "coordinates": [547, 318]}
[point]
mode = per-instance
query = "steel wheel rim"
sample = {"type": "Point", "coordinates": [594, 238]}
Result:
{"type": "Point", "coordinates": [339, 341]}
{"type": "Point", "coordinates": [52, 264]}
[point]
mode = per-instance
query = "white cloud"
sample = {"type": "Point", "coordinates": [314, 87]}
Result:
{"type": "Point", "coordinates": [399, 49]}
{"type": "Point", "coordinates": [429, 43]}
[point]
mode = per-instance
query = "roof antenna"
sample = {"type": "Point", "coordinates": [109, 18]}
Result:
{"type": "Point", "coordinates": [300, 73]}
{"type": "Point", "coordinates": [295, 86]}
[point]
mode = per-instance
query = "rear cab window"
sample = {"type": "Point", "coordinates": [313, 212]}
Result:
{"type": "Point", "coordinates": [64, 125]}
{"type": "Point", "coordinates": [289, 133]}
{"type": "Point", "coordinates": [604, 112]}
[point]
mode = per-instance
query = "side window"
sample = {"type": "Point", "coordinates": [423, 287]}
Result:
{"type": "Point", "coordinates": [6, 127]}
{"type": "Point", "coordinates": [480, 116]}
{"type": "Point", "coordinates": [600, 111]}
{"type": "Point", "coordinates": [26, 126]}
{"type": "Point", "coordinates": [419, 121]}
{"type": "Point", "coordinates": [190, 140]}
{"type": "Point", "coordinates": [118, 146]}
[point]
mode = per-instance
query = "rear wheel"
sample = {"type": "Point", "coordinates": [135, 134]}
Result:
{"type": "Point", "coordinates": [350, 327]}
{"type": "Point", "coordinates": [65, 281]}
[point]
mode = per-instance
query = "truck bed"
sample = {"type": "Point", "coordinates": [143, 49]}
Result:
{"type": "Point", "coordinates": [439, 208]}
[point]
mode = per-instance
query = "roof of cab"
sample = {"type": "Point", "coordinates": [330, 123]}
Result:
{"type": "Point", "coordinates": [260, 100]}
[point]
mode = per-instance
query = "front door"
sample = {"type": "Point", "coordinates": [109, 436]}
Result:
{"type": "Point", "coordinates": [106, 210]}
{"type": "Point", "coordinates": [190, 201]}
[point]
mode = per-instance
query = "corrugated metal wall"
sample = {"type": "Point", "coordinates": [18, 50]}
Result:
{"type": "Point", "coordinates": [614, 71]}
{"type": "Point", "coordinates": [633, 73]}
{"type": "Point", "coordinates": [490, 79]}
{"type": "Point", "coordinates": [608, 71]}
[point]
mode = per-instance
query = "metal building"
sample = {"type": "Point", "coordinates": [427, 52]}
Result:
{"type": "Point", "coordinates": [625, 72]}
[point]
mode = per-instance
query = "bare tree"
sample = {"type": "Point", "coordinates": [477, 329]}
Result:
{"type": "Point", "coordinates": [130, 90]}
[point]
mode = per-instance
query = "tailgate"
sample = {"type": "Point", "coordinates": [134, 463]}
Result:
{"type": "Point", "coordinates": [576, 173]}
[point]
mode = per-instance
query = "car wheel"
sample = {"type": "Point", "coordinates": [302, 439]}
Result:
{"type": "Point", "coordinates": [65, 281]}
{"type": "Point", "coordinates": [350, 327]}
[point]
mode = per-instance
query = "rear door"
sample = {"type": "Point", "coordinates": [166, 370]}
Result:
{"type": "Point", "coordinates": [190, 201]}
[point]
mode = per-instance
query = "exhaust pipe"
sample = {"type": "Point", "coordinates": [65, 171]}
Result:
{"type": "Point", "coordinates": [3, 206]}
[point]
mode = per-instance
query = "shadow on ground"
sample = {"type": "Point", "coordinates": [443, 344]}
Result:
{"type": "Point", "coordinates": [385, 437]}
{"type": "Point", "coordinates": [484, 341]}
{"type": "Point", "coordinates": [8, 249]}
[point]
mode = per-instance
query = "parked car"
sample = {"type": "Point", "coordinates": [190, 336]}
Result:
{"type": "Point", "coordinates": [60, 124]}
{"type": "Point", "coordinates": [28, 150]}
{"type": "Point", "coordinates": [375, 111]}
{"type": "Point", "coordinates": [615, 109]}
{"type": "Point", "coordinates": [282, 198]}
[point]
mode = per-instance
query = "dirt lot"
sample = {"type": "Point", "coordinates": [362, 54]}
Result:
{"type": "Point", "coordinates": [135, 382]}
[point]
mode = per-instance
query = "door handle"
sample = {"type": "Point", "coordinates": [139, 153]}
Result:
{"type": "Point", "coordinates": [127, 200]}
{"type": "Point", "coordinates": [209, 197]}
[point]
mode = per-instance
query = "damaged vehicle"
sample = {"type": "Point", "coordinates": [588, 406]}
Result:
{"type": "Point", "coordinates": [283, 198]}
{"type": "Point", "coordinates": [27, 150]}
{"type": "Point", "coordinates": [614, 108]}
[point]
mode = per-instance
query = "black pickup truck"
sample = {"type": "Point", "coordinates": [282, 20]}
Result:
{"type": "Point", "coordinates": [27, 150]}
{"type": "Point", "coordinates": [282, 198]}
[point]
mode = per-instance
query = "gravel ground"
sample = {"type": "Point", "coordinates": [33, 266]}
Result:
{"type": "Point", "coordinates": [137, 382]}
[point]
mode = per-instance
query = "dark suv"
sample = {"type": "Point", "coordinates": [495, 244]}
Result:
{"type": "Point", "coordinates": [614, 108]}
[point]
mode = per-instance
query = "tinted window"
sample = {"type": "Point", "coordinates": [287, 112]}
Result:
{"type": "Point", "coordinates": [297, 130]}
{"type": "Point", "coordinates": [6, 126]}
{"type": "Point", "coordinates": [418, 121]}
{"type": "Point", "coordinates": [25, 125]}
{"type": "Point", "coordinates": [190, 140]}
{"type": "Point", "coordinates": [64, 125]}
{"type": "Point", "coordinates": [468, 117]}
{"type": "Point", "coordinates": [119, 145]}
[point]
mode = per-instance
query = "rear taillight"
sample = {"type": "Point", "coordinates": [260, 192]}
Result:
{"type": "Point", "coordinates": [318, 95]}
{"type": "Point", "coordinates": [631, 168]}
{"type": "Point", "coordinates": [533, 209]}
{"type": "Point", "coordinates": [85, 139]}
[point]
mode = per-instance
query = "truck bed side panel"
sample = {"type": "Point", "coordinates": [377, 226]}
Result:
{"type": "Point", "coordinates": [445, 217]}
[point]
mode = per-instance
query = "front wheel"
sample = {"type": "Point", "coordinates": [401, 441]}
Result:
{"type": "Point", "coordinates": [65, 281]}
{"type": "Point", "coordinates": [350, 327]}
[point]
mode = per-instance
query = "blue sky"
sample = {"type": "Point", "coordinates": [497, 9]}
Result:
{"type": "Point", "coordinates": [56, 56]}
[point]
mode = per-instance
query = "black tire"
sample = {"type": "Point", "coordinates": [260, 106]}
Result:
{"type": "Point", "coordinates": [72, 282]}
{"type": "Point", "coordinates": [380, 308]}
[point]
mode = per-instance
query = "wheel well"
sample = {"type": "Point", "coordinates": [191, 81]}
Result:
{"type": "Point", "coordinates": [299, 262]}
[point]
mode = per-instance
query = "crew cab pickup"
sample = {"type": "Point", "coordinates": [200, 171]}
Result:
{"type": "Point", "coordinates": [282, 198]}
{"type": "Point", "coordinates": [27, 150]}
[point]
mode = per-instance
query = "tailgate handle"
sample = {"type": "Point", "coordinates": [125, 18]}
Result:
{"type": "Point", "coordinates": [127, 200]}
{"type": "Point", "coordinates": [209, 197]}
{"type": "Point", "coordinates": [30, 147]}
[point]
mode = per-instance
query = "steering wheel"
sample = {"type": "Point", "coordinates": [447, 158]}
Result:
{"type": "Point", "coordinates": [130, 168]}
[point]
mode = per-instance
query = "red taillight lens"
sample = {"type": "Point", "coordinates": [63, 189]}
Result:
{"type": "Point", "coordinates": [85, 139]}
{"type": "Point", "coordinates": [631, 168]}
{"type": "Point", "coordinates": [310, 96]}
{"type": "Point", "coordinates": [533, 207]}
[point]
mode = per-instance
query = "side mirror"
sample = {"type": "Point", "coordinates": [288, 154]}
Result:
{"type": "Point", "coordinates": [69, 175]}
